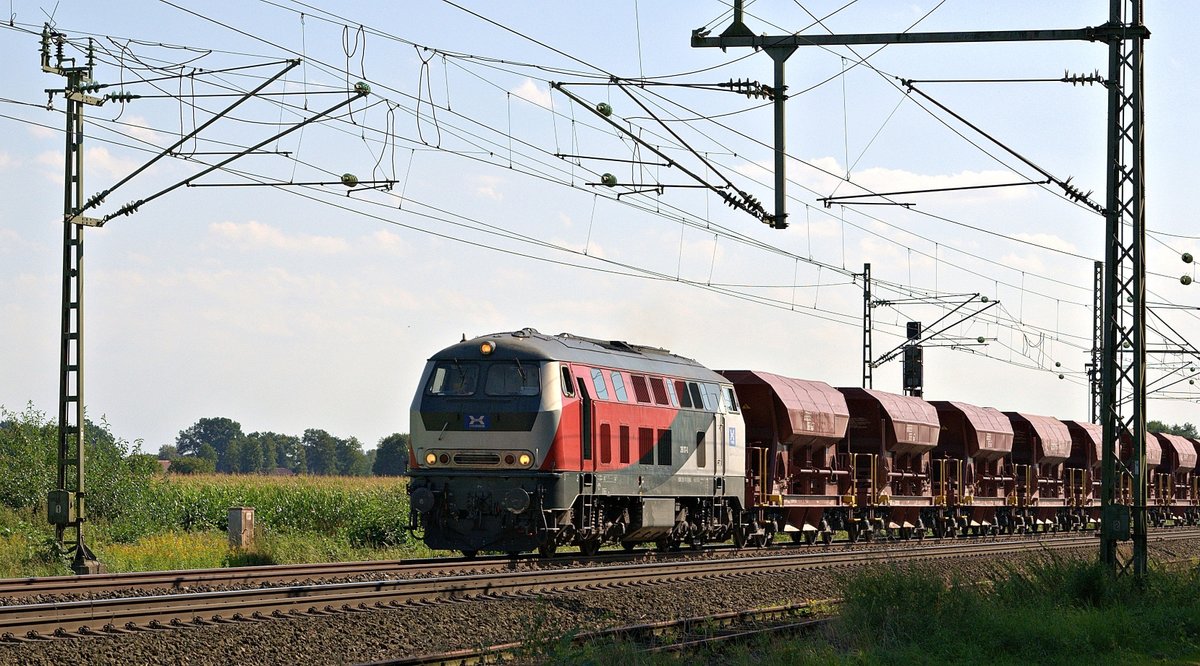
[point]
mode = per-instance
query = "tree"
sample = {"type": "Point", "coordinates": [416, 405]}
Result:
{"type": "Point", "coordinates": [167, 452]}
{"type": "Point", "coordinates": [391, 458]}
{"type": "Point", "coordinates": [219, 433]}
{"type": "Point", "coordinates": [265, 443]}
{"type": "Point", "coordinates": [191, 465]}
{"type": "Point", "coordinates": [207, 452]}
{"type": "Point", "coordinates": [351, 459]}
{"type": "Point", "coordinates": [1185, 430]}
{"type": "Point", "coordinates": [321, 452]}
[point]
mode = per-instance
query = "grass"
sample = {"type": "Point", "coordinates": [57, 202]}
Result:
{"type": "Point", "coordinates": [1049, 612]}
{"type": "Point", "coordinates": [179, 522]}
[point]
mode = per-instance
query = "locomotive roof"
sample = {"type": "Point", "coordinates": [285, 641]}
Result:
{"type": "Point", "coordinates": [529, 344]}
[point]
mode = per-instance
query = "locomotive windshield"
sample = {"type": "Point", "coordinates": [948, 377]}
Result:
{"type": "Point", "coordinates": [500, 379]}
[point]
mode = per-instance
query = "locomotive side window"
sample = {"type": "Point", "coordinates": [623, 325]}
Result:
{"type": "Point", "coordinates": [664, 447]}
{"type": "Point", "coordinates": [619, 386]}
{"type": "Point", "coordinates": [508, 379]}
{"type": "Point", "coordinates": [684, 399]}
{"type": "Point", "coordinates": [624, 444]}
{"type": "Point", "coordinates": [605, 443]}
{"type": "Point", "coordinates": [645, 446]}
{"type": "Point", "coordinates": [640, 389]}
{"type": "Point", "coordinates": [568, 385]}
{"type": "Point", "coordinates": [671, 392]}
{"type": "Point", "coordinates": [701, 450]}
{"type": "Point", "coordinates": [598, 382]}
{"type": "Point", "coordinates": [698, 400]}
{"type": "Point", "coordinates": [731, 404]}
{"type": "Point", "coordinates": [712, 397]}
{"type": "Point", "coordinates": [660, 391]}
{"type": "Point", "coordinates": [452, 378]}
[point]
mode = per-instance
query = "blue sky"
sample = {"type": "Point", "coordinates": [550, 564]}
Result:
{"type": "Point", "coordinates": [294, 307]}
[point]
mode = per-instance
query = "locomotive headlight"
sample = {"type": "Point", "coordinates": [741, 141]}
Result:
{"type": "Point", "coordinates": [430, 458]}
{"type": "Point", "coordinates": [487, 347]}
{"type": "Point", "coordinates": [525, 459]}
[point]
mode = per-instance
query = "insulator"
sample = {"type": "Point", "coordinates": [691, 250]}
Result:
{"type": "Point", "coordinates": [983, 299]}
{"type": "Point", "coordinates": [981, 339]}
{"type": "Point", "coordinates": [349, 179]}
{"type": "Point", "coordinates": [1061, 376]}
{"type": "Point", "coordinates": [608, 180]}
{"type": "Point", "coordinates": [1185, 279]}
{"type": "Point", "coordinates": [1057, 364]}
{"type": "Point", "coordinates": [1187, 257]}
{"type": "Point", "coordinates": [362, 87]}
{"type": "Point", "coordinates": [604, 108]}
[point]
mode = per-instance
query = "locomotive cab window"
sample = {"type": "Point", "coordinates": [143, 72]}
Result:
{"type": "Point", "coordinates": [731, 404]}
{"type": "Point", "coordinates": [568, 386]}
{"type": "Point", "coordinates": [511, 379]}
{"type": "Point", "coordinates": [451, 378]}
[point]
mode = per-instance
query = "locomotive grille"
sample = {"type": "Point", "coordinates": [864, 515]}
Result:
{"type": "Point", "coordinates": [477, 458]}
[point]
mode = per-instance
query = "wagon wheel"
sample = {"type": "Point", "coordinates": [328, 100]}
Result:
{"type": "Point", "coordinates": [547, 549]}
{"type": "Point", "coordinates": [470, 554]}
{"type": "Point", "coordinates": [827, 537]}
{"type": "Point", "coordinates": [852, 531]}
{"type": "Point", "coordinates": [589, 547]}
{"type": "Point", "coordinates": [629, 545]}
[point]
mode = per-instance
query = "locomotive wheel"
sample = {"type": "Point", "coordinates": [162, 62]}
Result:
{"type": "Point", "coordinates": [739, 536]}
{"type": "Point", "coordinates": [547, 549]}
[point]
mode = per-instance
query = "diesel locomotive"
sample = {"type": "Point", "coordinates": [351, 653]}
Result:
{"type": "Point", "coordinates": [522, 441]}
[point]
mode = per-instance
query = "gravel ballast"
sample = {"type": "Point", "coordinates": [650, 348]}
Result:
{"type": "Point", "coordinates": [378, 635]}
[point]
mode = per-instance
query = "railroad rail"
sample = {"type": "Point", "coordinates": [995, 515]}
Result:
{"type": "Point", "coordinates": [196, 609]}
{"type": "Point", "coordinates": [188, 580]}
{"type": "Point", "coordinates": [682, 634]}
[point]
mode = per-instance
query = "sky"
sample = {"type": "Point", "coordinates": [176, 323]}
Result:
{"type": "Point", "coordinates": [300, 304]}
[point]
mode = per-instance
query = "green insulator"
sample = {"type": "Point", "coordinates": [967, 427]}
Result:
{"type": "Point", "coordinates": [1187, 257]}
{"type": "Point", "coordinates": [604, 108]}
{"type": "Point", "coordinates": [981, 339]}
{"type": "Point", "coordinates": [608, 180]}
{"type": "Point", "coordinates": [362, 87]}
{"type": "Point", "coordinates": [1185, 279]}
{"type": "Point", "coordinates": [349, 179]}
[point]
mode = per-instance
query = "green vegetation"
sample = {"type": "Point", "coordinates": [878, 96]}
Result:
{"type": "Point", "coordinates": [1050, 612]}
{"type": "Point", "coordinates": [141, 519]}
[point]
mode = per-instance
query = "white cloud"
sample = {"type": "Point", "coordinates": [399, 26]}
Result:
{"type": "Point", "coordinates": [1048, 240]}
{"type": "Point", "coordinates": [388, 242]}
{"type": "Point", "coordinates": [6, 161]}
{"type": "Point", "coordinates": [39, 132]}
{"type": "Point", "coordinates": [99, 158]}
{"type": "Point", "coordinates": [486, 186]}
{"type": "Point", "coordinates": [139, 128]}
{"type": "Point", "coordinates": [530, 92]}
{"type": "Point", "coordinates": [252, 235]}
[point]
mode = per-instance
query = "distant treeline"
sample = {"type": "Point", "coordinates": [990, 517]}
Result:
{"type": "Point", "coordinates": [219, 445]}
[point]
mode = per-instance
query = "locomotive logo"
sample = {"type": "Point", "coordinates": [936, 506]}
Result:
{"type": "Point", "coordinates": [732, 437]}
{"type": "Point", "coordinates": [476, 421]}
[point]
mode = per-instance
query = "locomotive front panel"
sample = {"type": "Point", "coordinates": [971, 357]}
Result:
{"type": "Point", "coordinates": [483, 423]}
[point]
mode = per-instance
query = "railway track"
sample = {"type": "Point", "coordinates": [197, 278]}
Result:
{"type": "Point", "coordinates": [668, 636]}
{"type": "Point", "coordinates": [65, 587]}
{"type": "Point", "coordinates": [198, 609]}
